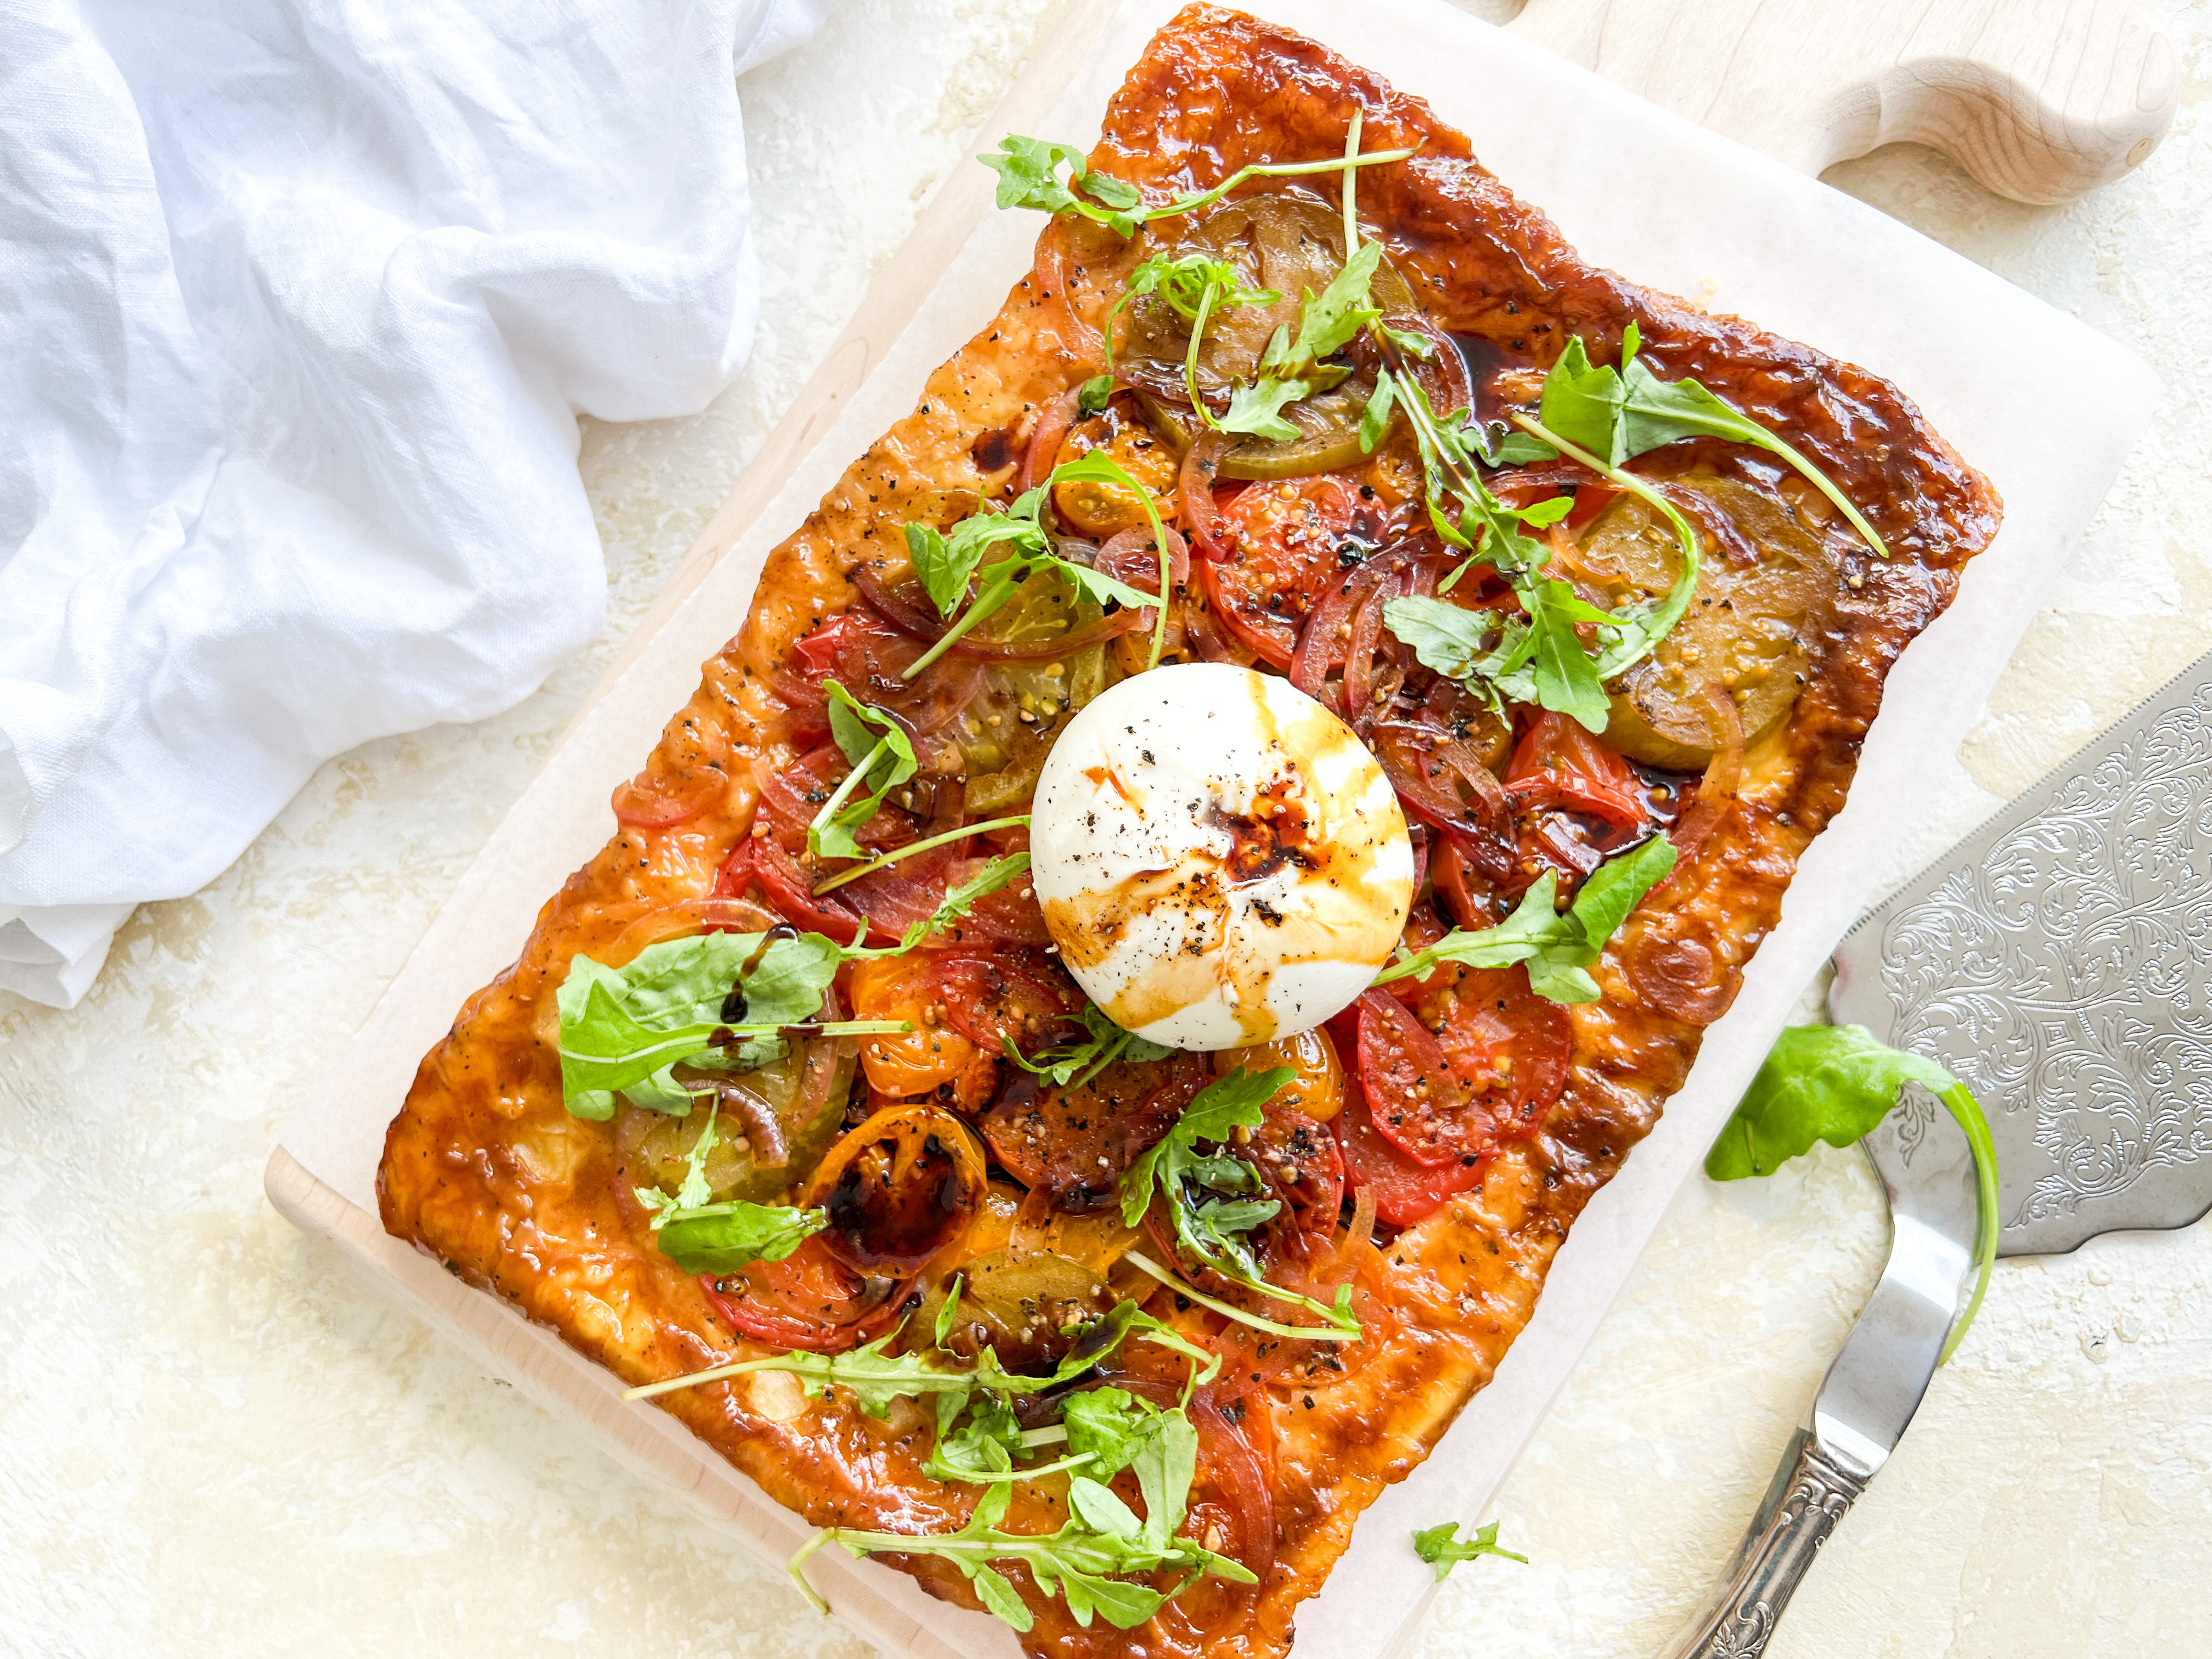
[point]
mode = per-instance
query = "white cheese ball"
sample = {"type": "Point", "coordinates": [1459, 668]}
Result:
{"type": "Point", "coordinates": [1219, 859]}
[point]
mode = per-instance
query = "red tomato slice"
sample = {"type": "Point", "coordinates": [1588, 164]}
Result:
{"type": "Point", "coordinates": [1416, 1098]}
{"type": "Point", "coordinates": [1511, 1048]}
{"type": "Point", "coordinates": [1405, 1192]}
{"type": "Point", "coordinates": [809, 1300]}
{"type": "Point", "coordinates": [1283, 541]}
{"type": "Point", "coordinates": [1558, 763]}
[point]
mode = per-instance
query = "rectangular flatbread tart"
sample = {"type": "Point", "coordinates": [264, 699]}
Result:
{"type": "Point", "coordinates": [1217, 835]}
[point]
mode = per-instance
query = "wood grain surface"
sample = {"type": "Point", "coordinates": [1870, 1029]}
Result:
{"type": "Point", "coordinates": [2038, 100]}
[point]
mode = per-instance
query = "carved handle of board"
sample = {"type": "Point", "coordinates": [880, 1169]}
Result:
{"type": "Point", "coordinates": [1810, 1493]}
{"type": "Point", "coordinates": [2039, 100]}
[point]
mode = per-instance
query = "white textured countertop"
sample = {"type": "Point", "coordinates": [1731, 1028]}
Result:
{"type": "Point", "coordinates": [214, 1443]}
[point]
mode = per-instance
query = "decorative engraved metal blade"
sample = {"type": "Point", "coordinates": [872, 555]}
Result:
{"type": "Point", "coordinates": [2059, 960]}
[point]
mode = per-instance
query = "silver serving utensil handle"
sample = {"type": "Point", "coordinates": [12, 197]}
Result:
{"type": "Point", "coordinates": [1811, 1491]}
{"type": "Point", "coordinates": [1871, 1390]}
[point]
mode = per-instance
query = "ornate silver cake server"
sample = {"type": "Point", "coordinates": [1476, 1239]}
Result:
{"type": "Point", "coordinates": [2058, 961]}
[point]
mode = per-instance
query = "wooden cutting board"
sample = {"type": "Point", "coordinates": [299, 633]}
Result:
{"type": "Point", "coordinates": [2038, 99]}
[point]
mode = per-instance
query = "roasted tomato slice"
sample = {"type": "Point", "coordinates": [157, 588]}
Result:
{"type": "Point", "coordinates": [1507, 1047]}
{"type": "Point", "coordinates": [1284, 541]}
{"type": "Point", "coordinates": [1405, 1191]}
{"type": "Point", "coordinates": [1419, 1102]}
{"type": "Point", "coordinates": [900, 1191]}
{"type": "Point", "coordinates": [1075, 1144]}
{"type": "Point", "coordinates": [868, 656]}
{"type": "Point", "coordinates": [932, 1058]}
{"type": "Point", "coordinates": [1558, 762]}
{"type": "Point", "coordinates": [809, 1300]}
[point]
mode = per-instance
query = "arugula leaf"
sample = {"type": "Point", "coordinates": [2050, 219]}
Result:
{"type": "Point", "coordinates": [1030, 175]}
{"type": "Point", "coordinates": [1257, 409]}
{"type": "Point", "coordinates": [1557, 946]}
{"type": "Point", "coordinates": [1835, 1083]}
{"type": "Point", "coordinates": [946, 564]}
{"type": "Point", "coordinates": [1108, 1427]}
{"type": "Point", "coordinates": [681, 1000]}
{"type": "Point", "coordinates": [875, 1376]}
{"type": "Point", "coordinates": [1037, 172]}
{"type": "Point", "coordinates": [1103, 1543]}
{"type": "Point", "coordinates": [1441, 1549]}
{"type": "Point", "coordinates": [998, 583]}
{"type": "Point", "coordinates": [1192, 285]}
{"type": "Point", "coordinates": [721, 1238]}
{"type": "Point", "coordinates": [1237, 1101]}
{"type": "Point", "coordinates": [1290, 370]}
{"type": "Point", "coordinates": [1213, 1199]}
{"type": "Point", "coordinates": [1375, 419]}
{"type": "Point", "coordinates": [1071, 1065]}
{"type": "Point", "coordinates": [983, 1449]}
{"type": "Point", "coordinates": [998, 874]}
{"type": "Point", "coordinates": [1333, 317]}
{"type": "Point", "coordinates": [693, 1191]}
{"type": "Point", "coordinates": [881, 757]}
{"type": "Point", "coordinates": [1621, 414]}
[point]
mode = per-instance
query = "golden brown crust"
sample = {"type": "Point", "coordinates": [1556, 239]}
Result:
{"type": "Point", "coordinates": [485, 1169]}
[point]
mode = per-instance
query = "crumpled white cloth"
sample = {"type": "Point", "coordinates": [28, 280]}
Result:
{"type": "Point", "coordinates": [299, 301]}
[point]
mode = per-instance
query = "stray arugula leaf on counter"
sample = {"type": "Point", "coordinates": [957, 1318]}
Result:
{"type": "Point", "coordinates": [1213, 1201]}
{"type": "Point", "coordinates": [881, 757]}
{"type": "Point", "coordinates": [683, 1000]}
{"type": "Point", "coordinates": [721, 1238]}
{"type": "Point", "coordinates": [1057, 179]}
{"type": "Point", "coordinates": [1071, 1065]}
{"type": "Point", "coordinates": [1443, 1550]}
{"type": "Point", "coordinates": [1619, 414]}
{"type": "Point", "coordinates": [1835, 1083]}
{"type": "Point", "coordinates": [1558, 946]}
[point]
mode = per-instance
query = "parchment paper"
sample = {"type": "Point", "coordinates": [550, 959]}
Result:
{"type": "Point", "coordinates": [1668, 205]}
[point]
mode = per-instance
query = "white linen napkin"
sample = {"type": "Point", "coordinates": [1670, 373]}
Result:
{"type": "Point", "coordinates": [299, 301]}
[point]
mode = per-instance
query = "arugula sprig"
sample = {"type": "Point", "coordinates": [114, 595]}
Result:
{"type": "Point", "coordinates": [701, 1237]}
{"type": "Point", "coordinates": [1102, 1428]}
{"type": "Point", "coordinates": [947, 563]}
{"type": "Point", "coordinates": [1538, 657]}
{"type": "Point", "coordinates": [996, 875]}
{"type": "Point", "coordinates": [717, 1002]}
{"type": "Point", "coordinates": [721, 1238]}
{"type": "Point", "coordinates": [875, 1376]}
{"type": "Point", "coordinates": [1071, 1065]}
{"type": "Point", "coordinates": [1213, 1201]}
{"type": "Point", "coordinates": [1091, 1560]}
{"type": "Point", "coordinates": [1444, 1550]}
{"type": "Point", "coordinates": [1291, 369]}
{"type": "Point", "coordinates": [1195, 286]}
{"type": "Point", "coordinates": [1835, 1083]}
{"type": "Point", "coordinates": [1057, 178]}
{"type": "Point", "coordinates": [1621, 414]}
{"type": "Point", "coordinates": [881, 756]}
{"type": "Point", "coordinates": [1558, 945]}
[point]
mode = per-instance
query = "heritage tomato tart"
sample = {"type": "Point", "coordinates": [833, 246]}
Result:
{"type": "Point", "coordinates": [1215, 838]}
